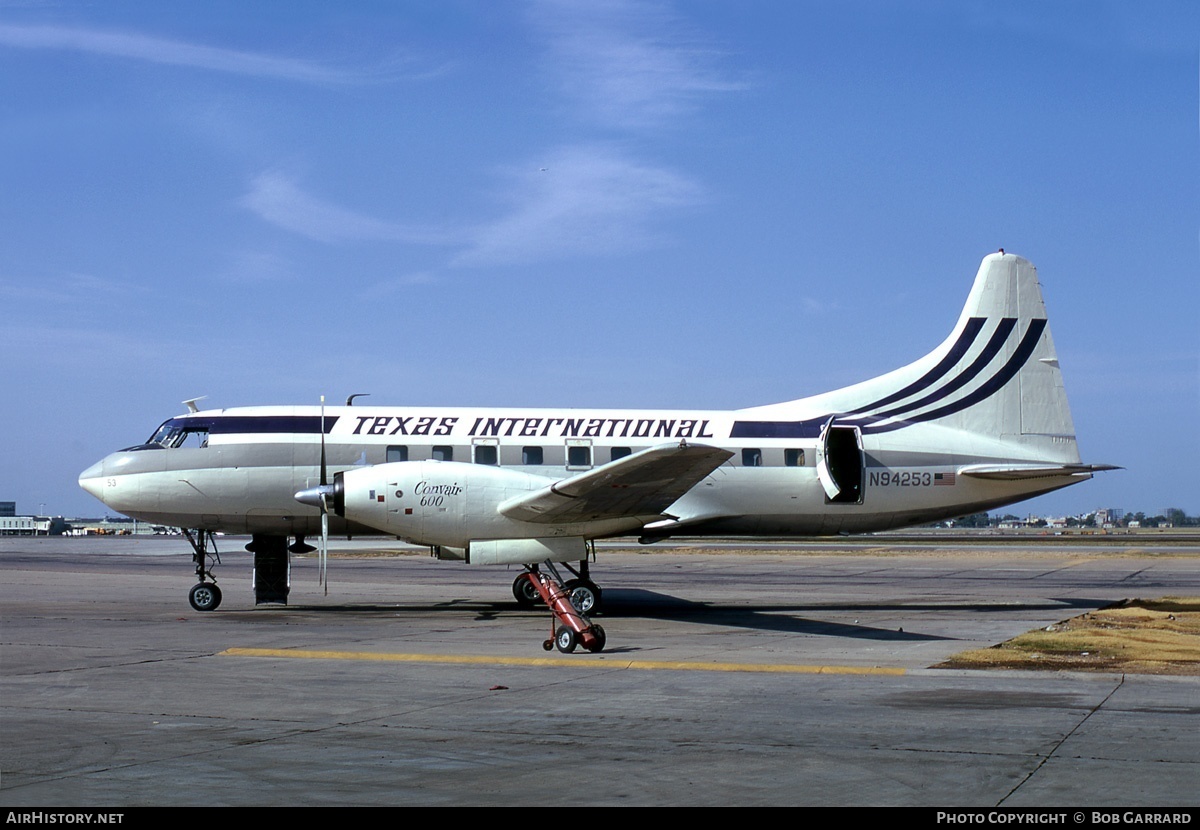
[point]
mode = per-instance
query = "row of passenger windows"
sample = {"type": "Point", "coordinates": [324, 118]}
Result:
{"type": "Point", "coordinates": [753, 457]}
{"type": "Point", "coordinates": [577, 457]}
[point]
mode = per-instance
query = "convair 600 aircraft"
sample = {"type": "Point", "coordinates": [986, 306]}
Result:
{"type": "Point", "coordinates": [980, 422]}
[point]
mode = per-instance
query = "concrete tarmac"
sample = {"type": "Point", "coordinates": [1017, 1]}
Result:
{"type": "Point", "coordinates": [730, 678]}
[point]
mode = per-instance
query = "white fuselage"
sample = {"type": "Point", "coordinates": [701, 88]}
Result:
{"type": "Point", "coordinates": [979, 422]}
{"type": "Point", "coordinates": [237, 470]}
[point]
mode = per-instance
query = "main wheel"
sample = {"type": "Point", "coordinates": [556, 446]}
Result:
{"type": "Point", "coordinates": [598, 643]}
{"type": "Point", "coordinates": [205, 596]}
{"type": "Point", "coordinates": [566, 640]}
{"type": "Point", "coordinates": [526, 595]}
{"type": "Point", "coordinates": [584, 594]}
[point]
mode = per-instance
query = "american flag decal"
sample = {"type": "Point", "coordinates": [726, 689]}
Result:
{"type": "Point", "coordinates": [943, 478]}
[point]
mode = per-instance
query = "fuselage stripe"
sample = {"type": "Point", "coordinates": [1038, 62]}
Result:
{"type": "Point", "coordinates": [970, 332]}
{"type": "Point", "coordinates": [259, 424]}
{"type": "Point", "coordinates": [993, 385]}
{"type": "Point", "coordinates": [963, 378]}
{"type": "Point", "coordinates": [811, 427]}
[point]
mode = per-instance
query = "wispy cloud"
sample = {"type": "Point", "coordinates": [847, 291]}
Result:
{"type": "Point", "coordinates": [277, 199]}
{"type": "Point", "coordinates": [587, 199]}
{"type": "Point", "coordinates": [629, 64]}
{"type": "Point", "coordinates": [397, 285]}
{"type": "Point", "coordinates": [178, 53]}
{"type": "Point", "coordinates": [64, 289]}
{"type": "Point", "coordinates": [814, 306]}
{"type": "Point", "coordinates": [250, 266]}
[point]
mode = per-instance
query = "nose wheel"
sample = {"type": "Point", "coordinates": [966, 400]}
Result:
{"type": "Point", "coordinates": [205, 596]}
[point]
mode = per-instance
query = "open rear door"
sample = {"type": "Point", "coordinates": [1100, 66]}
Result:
{"type": "Point", "coordinates": [840, 463]}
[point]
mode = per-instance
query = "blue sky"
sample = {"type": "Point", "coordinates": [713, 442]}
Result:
{"type": "Point", "coordinates": [703, 204]}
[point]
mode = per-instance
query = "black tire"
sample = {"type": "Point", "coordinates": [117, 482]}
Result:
{"type": "Point", "coordinates": [526, 595]}
{"type": "Point", "coordinates": [597, 644]}
{"type": "Point", "coordinates": [585, 595]}
{"type": "Point", "coordinates": [205, 596]}
{"type": "Point", "coordinates": [566, 640]}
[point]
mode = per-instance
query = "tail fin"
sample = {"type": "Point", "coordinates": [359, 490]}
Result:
{"type": "Point", "coordinates": [996, 375]}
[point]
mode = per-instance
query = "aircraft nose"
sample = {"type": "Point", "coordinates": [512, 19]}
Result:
{"type": "Point", "coordinates": [92, 479]}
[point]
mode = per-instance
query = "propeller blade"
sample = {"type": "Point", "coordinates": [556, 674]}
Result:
{"type": "Point", "coordinates": [324, 554]}
{"type": "Point", "coordinates": [324, 470]}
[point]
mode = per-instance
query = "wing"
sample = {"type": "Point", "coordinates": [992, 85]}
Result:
{"type": "Point", "coordinates": [643, 484]}
{"type": "Point", "coordinates": [1017, 472]}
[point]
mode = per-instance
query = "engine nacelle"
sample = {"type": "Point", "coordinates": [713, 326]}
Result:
{"type": "Point", "coordinates": [436, 502]}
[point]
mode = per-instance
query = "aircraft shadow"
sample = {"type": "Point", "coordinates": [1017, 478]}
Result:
{"type": "Point", "coordinates": [788, 618]}
{"type": "Point", "coordinates": [624, 603]}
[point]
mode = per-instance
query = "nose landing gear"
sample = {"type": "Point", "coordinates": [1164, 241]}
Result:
{"type": "Point", "coordinates": [204, 596]}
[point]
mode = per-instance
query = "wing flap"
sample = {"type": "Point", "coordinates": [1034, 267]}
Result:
{"type": "Point", "coordinates": [640, 485]}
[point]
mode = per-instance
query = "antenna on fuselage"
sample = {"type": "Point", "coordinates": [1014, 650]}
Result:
{"type": "Point", "coordinates": [350, 400]}
{"type": "Point", "coordinates": [190, 403]}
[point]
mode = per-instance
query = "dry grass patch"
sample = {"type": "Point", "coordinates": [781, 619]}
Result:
{"type": "Point", "coordinates": [1134, 637]}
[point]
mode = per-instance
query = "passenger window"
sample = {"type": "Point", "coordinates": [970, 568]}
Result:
{"type": "Point", "coordinates": [752, 458]}
{"type": "Point", "coordinates": [486, 454]}
{"type": "Point", "coordinates": [443, 453]}
{"type": "Point", "coordinates": [793, 458]}
{"type": "Point", "coordinates": [531, 456]}
{"type": "Point", "coordinates": [619, 452]}
{"type": "Point", "coordinates": [579, 457]}
{"type": "Point", "coordinates": [399, 453]}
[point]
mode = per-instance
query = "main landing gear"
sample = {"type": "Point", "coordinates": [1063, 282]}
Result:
{"type": "Point", "coordinates": [574, 629]}
{"type": "Point", "coordinates": [204, 596]}
{"type": "Point", "coordinates": [585, 594]}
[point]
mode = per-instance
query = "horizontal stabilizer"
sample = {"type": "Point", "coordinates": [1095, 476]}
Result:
{"type": "Point", "coordinates": [643, 484]}
{"type": "Point", "coordinates": [1020, 472]}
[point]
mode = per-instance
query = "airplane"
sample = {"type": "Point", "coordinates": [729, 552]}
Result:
{"type": "Point", "coordinates": [980, 422]}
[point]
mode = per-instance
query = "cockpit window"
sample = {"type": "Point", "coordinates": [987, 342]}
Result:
{"type": "Point", "coordinates": [174, 434]}
{"type": "Point", "coordinates": [163, 434]}
{"type": "Point", "coordinates": [193, 438]}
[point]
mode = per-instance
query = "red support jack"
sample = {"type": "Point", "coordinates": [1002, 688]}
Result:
{"type": "Point", "coordinates": [574, 629]}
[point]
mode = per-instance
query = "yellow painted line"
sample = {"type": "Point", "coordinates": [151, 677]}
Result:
{"type": "Point", "coordinates": [608, 662]}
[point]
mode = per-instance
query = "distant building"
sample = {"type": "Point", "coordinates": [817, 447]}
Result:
{"type": "Point", "coordinates": [23, 526]}
{"type": "Point", "coordinates": [8, 508]}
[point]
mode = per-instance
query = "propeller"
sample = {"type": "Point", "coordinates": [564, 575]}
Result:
{"type": "Point", "coordinates": [323, 551]}
{"type": "Point", "coordinates": [319, 497]}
